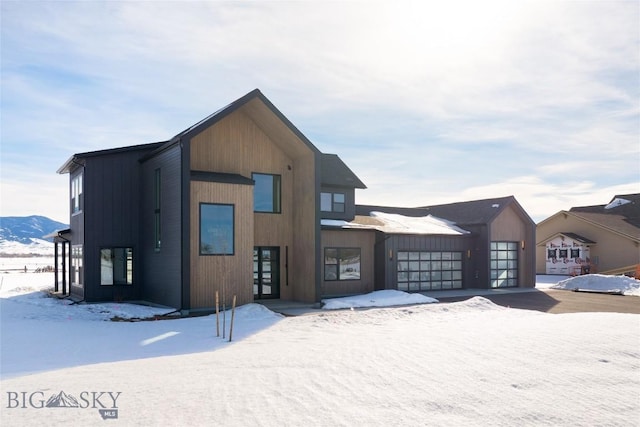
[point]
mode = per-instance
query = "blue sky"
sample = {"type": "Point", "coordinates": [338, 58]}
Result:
{"type": "Point", "coordinates": [427, 102]}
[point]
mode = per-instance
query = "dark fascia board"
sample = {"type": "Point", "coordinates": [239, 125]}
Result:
{"type": "Point", "coordinates": [224, 112]}
{"type": "Point", "coordinates": [75, 159]}
{"type": "Point", "coordinates": [573, 236]}
{"type": "Point", "coordinates": [577, 237]}
{"type": "Point", "coordinates": [234, 106]}
{"type": "Point", "coordinates": [227, 178]}
{"type": "Point", "coordinates": [502, 202]}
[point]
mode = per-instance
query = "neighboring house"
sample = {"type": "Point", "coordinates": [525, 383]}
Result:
{"type": "Point", "coordinates": [496, 250]}
{"type": "Point", "coordinates": [243, 204]}
{"type": "Point", "coordinates": [589, 239]}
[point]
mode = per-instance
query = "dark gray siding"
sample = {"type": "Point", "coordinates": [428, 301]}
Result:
{"type": "Point", "coordinates": [480, 257]}
{"type": "Point", "coordinates": [387, 248]}
{"type": "Point", "coordinates": [162, 268]}
{"type": "Point", "coordinates": [112, 215]}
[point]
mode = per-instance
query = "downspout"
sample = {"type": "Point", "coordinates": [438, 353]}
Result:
{"type": "Point", "coordinates": [185, 226]}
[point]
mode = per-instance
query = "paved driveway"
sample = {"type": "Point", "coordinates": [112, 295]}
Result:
{"type": "Point", "coordinates": [559, 301]}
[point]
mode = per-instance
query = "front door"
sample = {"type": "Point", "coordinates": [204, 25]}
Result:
{"type": "Point", "coordinates": [266, 272]}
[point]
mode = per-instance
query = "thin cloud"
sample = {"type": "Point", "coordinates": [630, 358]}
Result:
{"type": "Point", "coordinates": [426, 101]}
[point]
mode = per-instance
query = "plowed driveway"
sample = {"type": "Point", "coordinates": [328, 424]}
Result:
{"type": "Point", "coordinates": [559, 301]}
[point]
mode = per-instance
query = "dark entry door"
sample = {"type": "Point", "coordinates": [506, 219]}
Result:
{"type": "Point", "coordinates": [266, 272]}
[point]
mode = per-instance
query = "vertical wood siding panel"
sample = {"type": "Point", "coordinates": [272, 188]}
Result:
{"type": "Point", "coordinates": [238, 145]}
{"type": "Point", "coordinates": [210, 272]}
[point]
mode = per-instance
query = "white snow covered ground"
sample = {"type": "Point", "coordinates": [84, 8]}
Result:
{"type": "Point", "coordinates": [470, 363]}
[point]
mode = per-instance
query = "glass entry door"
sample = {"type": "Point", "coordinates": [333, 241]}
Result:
{"type": "Point", "coordinates": [266, 272]}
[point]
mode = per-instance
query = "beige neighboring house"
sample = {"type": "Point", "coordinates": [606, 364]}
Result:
{"type": "Point", "coordinates": [591, 239]}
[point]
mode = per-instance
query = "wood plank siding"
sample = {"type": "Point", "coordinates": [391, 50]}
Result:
{"type": "Point", "coordinates": [253, 140]}
{"type": "Point", "coordinates": [364, 240]}
{"type": "Point", "coordinates": [510, 227]}
{"type": "Point", "coordinates": [209, 273]}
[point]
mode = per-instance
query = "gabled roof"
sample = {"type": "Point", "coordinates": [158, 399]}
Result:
{"type": "Point", "coordinates": [476, 211]}
{"type": "Point", "coordinates": [621, 218]}
{"type": "Point", "coordinates": [74, 160]}
{"type": "Point", "coordinates": [254, 104]}
{"type": "Point", "coordinates": [626, 206]}
{"type": "Point", "coordinates": [336, 172]}
{"type": "Point", "coordinates": [473, 212]}
{"type": "Point", "coordinates": [570, 235]}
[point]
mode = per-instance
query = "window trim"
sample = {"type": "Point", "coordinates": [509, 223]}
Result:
{"type": "Point", "coordinates": [129, 269]}
{"type": "Point", "coordinates": [77, 265]}
{"type": "Point", "coordinates": [233, 230]}
{"type": "Point", "coordinates": [334, 203]}
{"type": "Point", "coordinates": [77, 191]}
{"type": "Point", "coordinates": [276, 193]}
{"type": "Point", "coordinates": [338, 264]}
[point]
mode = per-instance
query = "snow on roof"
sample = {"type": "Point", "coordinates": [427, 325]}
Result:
{"type": "Point", "coordinates": [617, 202]}
{"type": "Point", "coordinates": [400, 224]}
{"type": "Point", "coordinates": [429, 224]}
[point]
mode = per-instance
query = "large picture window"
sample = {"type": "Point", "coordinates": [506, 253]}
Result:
{"type": "Point", "coordinates": [332, 202]}
{"type": "Point", "coordinates": [116, 266]}
{"type": "Point", "coordinates": [504, 264]}
{"type": "Point", "coordinates": [341, 264]}
{"type": "Point", "coordinates": [216, 229]}
{"type": "Point", "coordinates": [266, 193]}
{"type": "Point", "coordinates": [424, 271]}
{"type": "Point", "coordinates": [76, 194]}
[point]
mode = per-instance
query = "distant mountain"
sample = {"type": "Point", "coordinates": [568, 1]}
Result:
{"type": "Point", "coordinates": [25, 234]}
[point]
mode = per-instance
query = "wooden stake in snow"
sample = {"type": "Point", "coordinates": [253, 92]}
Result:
{"type": "Point", "coordinates": [217, 315]}
{"type": "Point", "coordinates": [233, 312]}
{"type": "Point", "coordinates": [224, 313]}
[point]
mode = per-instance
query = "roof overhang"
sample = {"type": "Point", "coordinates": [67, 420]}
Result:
{"type": "Point", "coordinates": [572, 236]}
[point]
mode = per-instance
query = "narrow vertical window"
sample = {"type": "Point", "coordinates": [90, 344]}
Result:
{"type": "Point", "coordinates": [76, 265]}
{"type": "Point", "coordinates": [76, 194]}
{"type": "Point", "coordinates": [157, 232]}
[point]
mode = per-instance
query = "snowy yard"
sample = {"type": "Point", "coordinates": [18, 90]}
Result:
{"type": "Point", "coordinates": [470, 363]}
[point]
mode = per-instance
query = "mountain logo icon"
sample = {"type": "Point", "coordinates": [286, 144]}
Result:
{"type": "Point", "coordinates": [62, 400]}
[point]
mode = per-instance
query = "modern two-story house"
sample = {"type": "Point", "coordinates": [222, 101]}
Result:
{"type": "Point", "coordinates": [243, 204]}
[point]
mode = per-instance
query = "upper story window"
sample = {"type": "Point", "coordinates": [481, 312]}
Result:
{"type": "Point", "coordinates": [76, 194]}
{"type": "Point", "coordinates": [332, 202]}
{"type": "Point", "coordinates": [267, 193]}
